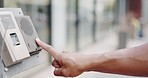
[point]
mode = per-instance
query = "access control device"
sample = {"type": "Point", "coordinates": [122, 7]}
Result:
{"type": "Point", "coordinates": [17, 42]}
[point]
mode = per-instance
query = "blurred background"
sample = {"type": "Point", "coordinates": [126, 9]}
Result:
{"type": "Point", "coordinates": [86, 26]}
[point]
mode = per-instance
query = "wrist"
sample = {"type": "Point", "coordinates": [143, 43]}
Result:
{"type": "Point", "coordinates": [89, 62]}
{"type": "Point", "coordinates": [94, 62]}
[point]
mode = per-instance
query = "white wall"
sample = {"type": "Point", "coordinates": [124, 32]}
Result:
{"type": "Point", "coordinates": [59, 24]}
{"type": "Point", "coordinates": [144, 11]}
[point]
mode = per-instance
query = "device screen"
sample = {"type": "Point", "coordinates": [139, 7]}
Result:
{"type": "Point", "coordinates": [15, 39]}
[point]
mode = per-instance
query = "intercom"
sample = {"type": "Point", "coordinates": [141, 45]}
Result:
{"type": "Point", "coordinates": [17, 39]}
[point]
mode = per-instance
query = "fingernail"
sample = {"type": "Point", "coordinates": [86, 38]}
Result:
{"type": "Point", "coordinates": [37, 39]}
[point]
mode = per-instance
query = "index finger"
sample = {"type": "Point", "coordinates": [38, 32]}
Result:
{"type": "Point", "coordinates": [48, 48]}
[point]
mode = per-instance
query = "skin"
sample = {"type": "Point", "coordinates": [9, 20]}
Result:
{"type": "Point", "coordinates": [130, 61]}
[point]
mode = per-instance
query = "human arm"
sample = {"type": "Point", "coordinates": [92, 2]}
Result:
{"type": "Point", "coordinates": [132, 61]}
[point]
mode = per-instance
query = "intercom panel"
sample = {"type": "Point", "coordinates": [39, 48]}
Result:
{"type": "Point", "coordinates": [15, 11]}
{"type": "Point", "coordinates": [15, 47]}
{"type": "Point", "coordinates": [29, 33]}
{"type": "Point", "coordinates": [19, 50]}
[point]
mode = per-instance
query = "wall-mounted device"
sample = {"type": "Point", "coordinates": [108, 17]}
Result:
{"type": "Point", "coordinates": [18, 33]}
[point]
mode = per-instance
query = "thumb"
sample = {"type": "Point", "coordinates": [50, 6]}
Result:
{"type": "Point", "coordinates": [58, 72]}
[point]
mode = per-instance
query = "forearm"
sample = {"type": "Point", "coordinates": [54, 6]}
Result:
{"type": "Point", "coordinates": [127, 61]}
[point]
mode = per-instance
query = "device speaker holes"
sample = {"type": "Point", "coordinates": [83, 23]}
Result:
{"type": "Point", "coordinates": [26, 26]}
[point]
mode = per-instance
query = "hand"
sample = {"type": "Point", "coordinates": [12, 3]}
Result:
{"type": "Point", "coordinates": [66, 64]}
